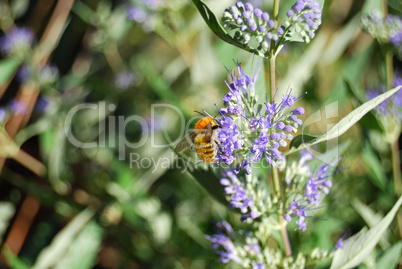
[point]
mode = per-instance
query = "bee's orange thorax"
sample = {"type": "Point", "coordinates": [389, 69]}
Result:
{"type": "Point", "coordinates": [204, 123]}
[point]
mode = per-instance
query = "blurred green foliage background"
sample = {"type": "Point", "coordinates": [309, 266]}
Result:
{"type": "Point", "coordinates": [63, 206]}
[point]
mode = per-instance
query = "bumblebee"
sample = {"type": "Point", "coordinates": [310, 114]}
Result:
{"type": "Point", "coordinates": [204, 138]}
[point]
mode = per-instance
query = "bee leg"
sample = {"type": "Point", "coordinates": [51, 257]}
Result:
{"type": "Point", "coordinates": [218, 143]}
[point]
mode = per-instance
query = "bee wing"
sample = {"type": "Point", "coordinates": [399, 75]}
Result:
{"type": "Point", "coordinates": [188, 141]}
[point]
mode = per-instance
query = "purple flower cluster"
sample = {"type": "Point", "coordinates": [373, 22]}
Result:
{"type": "Point", "coordinates": [46, 74]}
{"type": "Point", "coordinates": [124, 80]}
{"type": "Point", "coordinates": [228, 135]}
{"type": "Point", "coordinates": [137, 14]}
{"type": "Point", "coordinates": [3, 115]}
{"type": "Point", "coordinates": [305, 14]}
{"type": "Point", "coordinates": [18, 107]}
{"type": "Point", "coordinates": [392, 106]}
{"type": "Point", "coordinates": [297, 211]}
{"type": "Point", "coordinates": [238, 197]}
{"type": "Point", "coordinates": [385, 30]}
{"type": "Point", "coordinates": [394, 27]}
{"type": "Point", "coordinates": [317, 183]}
{"type": "Point", "coordinates": [251, 22]}
{"type": "Point", "coordinates": [146, 13]}
{"type": "Point", "coordinates": [239, 87]}
{"type": "Point", "coordinates": [16, 40]}
{"type": "Point", "coordinates": [258, 265]}
{"type": "Point", "coordinates": [274, 133]}
{"type": "Point", "coordinates": [222, 243]}
{"type": "Point", "coordinates": [395, 36]}
{"type": "Point", "coordinates": [249, 133]}
{"type": "Point", "coordinates": [143, 16]}
{"type": "Point", "coordinates": [13, 107]}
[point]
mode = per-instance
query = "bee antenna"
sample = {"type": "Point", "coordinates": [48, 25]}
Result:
{"type": "Point", "coordinates": [199, 113]}
{"type": "Point", "coordinates": [207, 113]}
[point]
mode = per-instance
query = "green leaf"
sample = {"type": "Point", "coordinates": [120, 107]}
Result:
{"type": "Point", "coordinates": [18, 8]}
{"type": "Point", "coordinates": [8, 67]}
{"type": "Point", "coordinates": [82, 251]}
{"type": "Point", "coordinates": [213, 24]}
{"type": "Point", "coordinates": [369, 121]}
{"type": "Point", "coordinates": [7, 210]}
{"type": "Point", "coordinates": [371, 218]}
{"type": "Point", "coordinates": [51, 255]}
{"type": "Point", "coordinates": [348, 121]}
{"type": "Point", "coordinates": [371, 5]}
{"type": "Point", "coordinates": [300, 139]}
{"type": "Point", "coordinates": [391, 257]}
{"type": "Point", "coordinates": [84, 12]}
{"type": "Point", "coordinates": [208, 179]}
{"type": "Point", "coordinates": [12, 259]}
{"type": "Point", "coordinates": [377, 173]}
{"type": "Point", "coordinates": [293, 35]}
{"type": "Point", "coordinates": [359, 246]}
{"type": "Point", "coordinates": [340, 40]}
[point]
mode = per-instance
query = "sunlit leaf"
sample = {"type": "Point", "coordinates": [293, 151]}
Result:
{"type": "Point", "coordinates": [51, 255]}
{"type": "Point", "coordinates": [371, 218]}
{"type": "Point", "coordinates": [7, 210]}
{"type": "Point", "coordinates": [391, 257]}
{"type": "Point", "coordinates": [359, 246]}
{"type": "Point", "coordinates": [13, 260]}
{"type": "Point", "coordinates": [18, 7]}
{"type": "Point", "coordinates": [81, 253]}
{"type": "Point", "coordinates": [348, 121]}
{"type": "Point", "coordinates": [340, 40]}
{"type": "Point", "coordinates": [371, 5]}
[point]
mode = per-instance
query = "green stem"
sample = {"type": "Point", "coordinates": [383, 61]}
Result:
{"type": "Point", "coordinates": [275, 172]}
{"type": "Point", "coordinates": [396, 162]}
{"type": "Point", "coordinates": [276, 12]}
{"type": "Point", "coordinates": [396, 168]}
{"type": "Point", "coordinates": [396, 171]}
{"type": "Point", "coordinates": [388, 69]}
{"type": "Point", "coordinates": [385, 8]}
{"type": "Point", "coordinates": [272, 77]}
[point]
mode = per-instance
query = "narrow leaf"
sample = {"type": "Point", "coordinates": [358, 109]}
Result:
{"type": "Point", "coordinates": [344, 124]}
{"type": "Point", "coordinates": [371, 5]}
{"type": "Point", "coordinates": [7, 69]}
{"type": "Point", "coordinates": [391, 257]}
{"type": "Point", "coordinates": [300, 139]}
{"type": "Point", "coordinates": [376, 170]}
{"type": "Point", "coordinates": [82, 251]}
{"type": "Point", "coordinates": [371, 218]}
{"type": "Point", "coordinates": [51, 255]}
{"type": "Point", "coordinates": [369, 120]}
{"type": "Point", "coordinates": [210, 182]}
{"type": "Point", "coordinates": [7, 210]}
{"type": "Point", "coordinates": [12, 260]}
{"type": "Point", "coordinates": [359, 246]}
